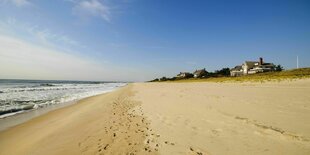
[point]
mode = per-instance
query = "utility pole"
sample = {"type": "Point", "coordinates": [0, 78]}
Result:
{"type": "Point", "coordinates": [297, 62]}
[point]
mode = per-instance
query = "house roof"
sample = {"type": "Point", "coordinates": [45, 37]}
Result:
{"type": "Point", "coordinates": [268, 65]}
{"type": "Point", "coordinates": [200, 71]}
{"type": "Point", "coordinates": [237, 68]}
{"type": "Point", "coordinates": [250, 63]}
{"type": "Point", "coordinates": [184, 73]}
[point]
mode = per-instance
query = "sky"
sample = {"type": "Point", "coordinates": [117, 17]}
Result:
{"type": "Point", "coordinates": [138, 40]}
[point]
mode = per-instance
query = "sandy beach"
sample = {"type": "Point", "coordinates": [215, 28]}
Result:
{"type": "Point", "coordinates": [174, 118]}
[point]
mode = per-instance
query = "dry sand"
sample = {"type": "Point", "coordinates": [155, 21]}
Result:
{"type": "Point", "coordinates": [234, 119]}
{"type": "Point", "coordinates": [174, 118]}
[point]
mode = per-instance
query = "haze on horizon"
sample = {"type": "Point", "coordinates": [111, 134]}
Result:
{"type": "Point", "coordinates": [136, 40]}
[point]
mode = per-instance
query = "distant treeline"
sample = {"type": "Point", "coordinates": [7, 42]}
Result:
{"type": "Point", "coordinates": [224, 72]}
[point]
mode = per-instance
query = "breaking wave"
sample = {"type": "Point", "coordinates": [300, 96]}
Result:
{"type": "Point", "coordinates": [16, 97]}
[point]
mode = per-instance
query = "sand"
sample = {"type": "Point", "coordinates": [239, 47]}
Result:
{"type": "Point", "coordinates": [174, 118]}
{"type": "Point", "coordinates": [104, 124]}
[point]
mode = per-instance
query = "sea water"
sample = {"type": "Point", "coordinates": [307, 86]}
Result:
{"type": "Point", "coordinates": [17, 96]}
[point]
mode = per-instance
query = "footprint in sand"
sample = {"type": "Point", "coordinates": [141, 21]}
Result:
{"type": "Point", "coordinates": [169, 143]}
{"type": "Point", "coordinates": [197, 152]}
{"type": "Point", "coordinates": [215, 132]}
{"type": "Point", "coordinates": [106, 147]}
{"type": "Point", "coordinates": [85, 149]}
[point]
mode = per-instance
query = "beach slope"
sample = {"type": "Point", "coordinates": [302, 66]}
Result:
{"type": "Point", "coordinates": [105, 124]}
{"type": "Point", "coordinates": [174, 118]}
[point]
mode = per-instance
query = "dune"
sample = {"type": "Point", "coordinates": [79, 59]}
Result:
{"type": "Point", "coordinates": [174, 118]}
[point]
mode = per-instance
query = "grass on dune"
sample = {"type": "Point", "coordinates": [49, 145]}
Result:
{"type": "Point", "coordinates": [260, 77]}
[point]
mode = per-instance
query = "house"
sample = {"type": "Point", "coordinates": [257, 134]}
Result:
{"type": "Point", "coordinates": [185, 75]}
{"type": "Point", "coordinates": [236, 71]}
{"type": "Point", "coordinates": [200, 73]}
{"type": "Point", "coordinates": [252, 67]}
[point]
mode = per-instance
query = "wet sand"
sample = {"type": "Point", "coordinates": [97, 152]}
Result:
{"type": "Point", "coordinates": [174, 118]}
{"type": "Point", "coordinates": [11, 121]}
{"type": "Point", "coordinates": [106, 124]}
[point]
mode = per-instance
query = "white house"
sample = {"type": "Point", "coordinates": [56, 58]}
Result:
{"type": "Point", "coordinates": [252, 67]}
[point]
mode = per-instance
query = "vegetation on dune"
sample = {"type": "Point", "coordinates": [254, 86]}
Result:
{"type": "Point", "coordinates": [221, 76]}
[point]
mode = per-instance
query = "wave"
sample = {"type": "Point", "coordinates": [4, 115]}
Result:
{"type": "Point", "coordinates": [17, 98]}
{"type": "Point", "coordinates": [47, 85]}
{"type": "Point", "coordinates": [17, 108]}
{"type": "Point", "coordinates": [17, 102]}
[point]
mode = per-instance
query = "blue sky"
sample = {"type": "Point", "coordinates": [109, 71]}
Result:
{"type": "Point", "coordinates": [139, 40]}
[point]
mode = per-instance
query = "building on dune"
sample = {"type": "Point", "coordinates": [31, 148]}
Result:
{"type": "Point", "coordinates": [196, 74]}
{"type": "Point", "coordinates": [185, 75]}
{"type": "Point", "coordinates": [200, 73]}
{"type": "Point", "coordinates": [236, 71]}
{"type": "Point", "coordinates": [252, 67]}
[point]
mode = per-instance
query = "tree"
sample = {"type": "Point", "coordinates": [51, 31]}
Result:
{"type": "Point", "coordinates": [163, 79]}
{"type": "Point", "coordinates": [155, 80]}
{"type": "Point", "coordinates": [279, 68]}
{"type": "Point", "coordinates": [223, 72]}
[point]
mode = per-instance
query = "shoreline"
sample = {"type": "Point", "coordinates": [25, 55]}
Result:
{"type": "Point", "coordinates": [24, 116]}
{"type": "Point", "coordinates": [174, 118]}
{"type": "Point", "coordinates": [18, 96]}
{"type": "Point", "coordinates": [94, 125]}
{"type": "Point", "coordinates": [19, 118]}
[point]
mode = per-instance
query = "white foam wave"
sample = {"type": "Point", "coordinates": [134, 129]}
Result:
{"type": "Point", "coordinates": [24, 97]}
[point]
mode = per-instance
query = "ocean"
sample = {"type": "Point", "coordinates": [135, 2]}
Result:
{"type": "Point", "coordinates": [18, 96]}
